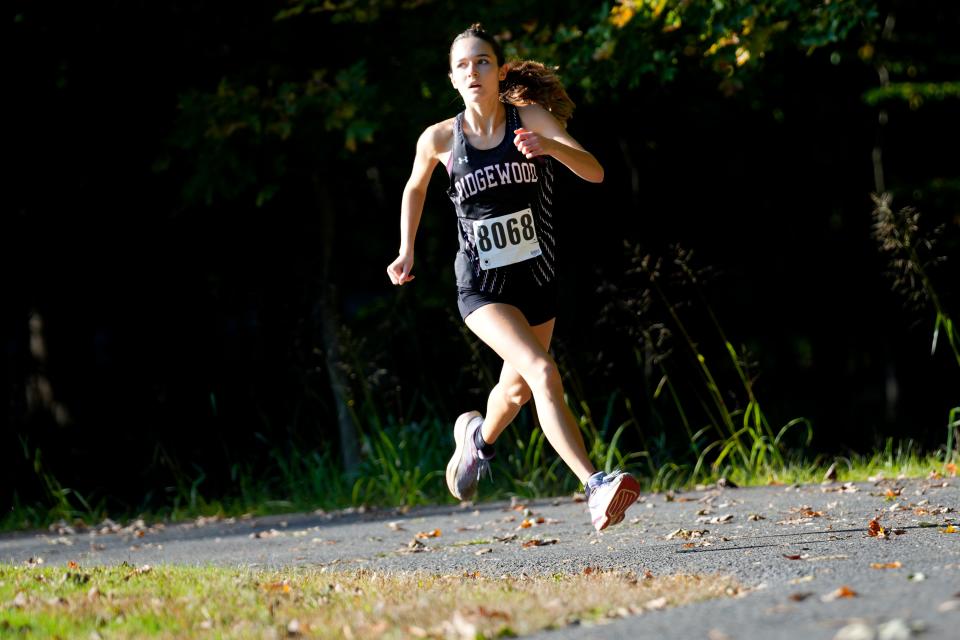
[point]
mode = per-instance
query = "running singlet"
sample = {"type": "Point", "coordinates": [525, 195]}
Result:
{"type": "Point", "coordinates": [504, 205]}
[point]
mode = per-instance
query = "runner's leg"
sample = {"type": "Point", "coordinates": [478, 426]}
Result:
{"type": "Point", "coordinates": [506, 331]}
{"type": "Point", "coordinates": [511, 392]}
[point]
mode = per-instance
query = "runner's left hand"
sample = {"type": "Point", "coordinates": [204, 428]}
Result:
{"type": "Point", "coordinates": [530, 144]}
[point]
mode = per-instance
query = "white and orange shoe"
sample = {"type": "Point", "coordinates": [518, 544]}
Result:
{"type": "Point", "coordinates": [610, 499]}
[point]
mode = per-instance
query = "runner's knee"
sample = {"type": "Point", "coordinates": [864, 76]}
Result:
{"type": "Point", "coordinates": [517, 393]}
{"type": "Point", "coordinates": [543, 374]}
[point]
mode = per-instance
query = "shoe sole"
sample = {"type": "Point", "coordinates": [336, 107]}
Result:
{"type": "Point", "coordinates": [626, 493]}
{"type": "Point", "coordinates": [459, 436]}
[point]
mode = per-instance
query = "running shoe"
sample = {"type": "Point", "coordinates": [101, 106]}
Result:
{"type": "Point", "coordinates": [466, 465]}
{"type": "Point", "coordinates": [609, 500]}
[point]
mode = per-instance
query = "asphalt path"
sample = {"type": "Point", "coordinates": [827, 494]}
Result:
{"type": "Point", "coordinates": [809, 562]}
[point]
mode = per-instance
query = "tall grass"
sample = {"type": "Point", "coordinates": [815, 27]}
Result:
{"type": "Point", "coordinates": [911, 254]}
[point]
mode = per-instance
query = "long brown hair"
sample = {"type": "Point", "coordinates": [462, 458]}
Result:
{"type": "Point", "coordinates": [527, 81]}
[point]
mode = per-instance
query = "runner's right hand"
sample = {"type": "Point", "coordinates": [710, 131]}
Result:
{"type": "Point", "coordinates": [399, 270]}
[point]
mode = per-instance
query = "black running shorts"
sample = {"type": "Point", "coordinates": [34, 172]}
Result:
{"type": "Point", "coordinates": [537, 304]}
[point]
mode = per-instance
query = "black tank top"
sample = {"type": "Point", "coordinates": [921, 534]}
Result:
{"type": "Point", "coordinates": [487, 183]}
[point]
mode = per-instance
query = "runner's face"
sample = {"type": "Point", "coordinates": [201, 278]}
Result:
{"type": "Point", "coordinates": [473, 69]}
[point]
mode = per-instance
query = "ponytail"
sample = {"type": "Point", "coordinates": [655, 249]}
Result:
{"type": "Point", "coordinates": [529, 81]}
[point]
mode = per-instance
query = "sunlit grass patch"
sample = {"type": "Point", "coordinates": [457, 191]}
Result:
{"type": "Point", "coordinates": [170, 601]}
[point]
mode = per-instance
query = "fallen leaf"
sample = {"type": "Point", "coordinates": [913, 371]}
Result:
{"type": "Point", "coordinates": [893, 492]}
{"type": "Point", "coordinates": [753, 517]}
{"type": "Point", "coordinates": [793, 557]}
{"type": "Point", "coordinates": [537, 542]}
{"type": "Point", "coordinates": [73, 565]}
{"type": "Point", "coordinates": [686, 534]}
{"type": "Point", "coordinates": [951, 468]}
{"type": "Point", "coordinates": [282, 587]}
{"type": "Point", "coordinates": [272, 533]}
{"type": "Point", "coordinates": [721, 519]}
{"type": "Point", "coordinates": [428, 534]}
{"type": "Point", "coordinates": [800, 596]}
{"type": "Point", "coordinates": [950, 529]}
{"type": "Point", "coordinates": [480, 552]}
{"type": "Point", "coordinates": [886, 565]}
{"type": "Point", "coordinates": [139, 571]}
{"type": "Point", "coordinates": [846, 487]}
{"type": "Point", "coordinates": [875, 529]}
{"type": "Point", "coordinates": [415, 546]}
{"type": "Point", "coordinates": [841, 592]}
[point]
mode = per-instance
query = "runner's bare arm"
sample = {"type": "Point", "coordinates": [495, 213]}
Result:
{"type": "Point", "coordinates": [542, 134]}
{"type": "Point", "coordinates": [429, 146]}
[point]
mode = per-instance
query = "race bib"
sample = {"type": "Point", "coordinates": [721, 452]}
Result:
{"type": "Point", "coordinates": [506, 239]}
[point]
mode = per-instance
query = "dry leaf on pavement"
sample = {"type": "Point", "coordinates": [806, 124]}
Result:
{"type": "Point", "coordinates": [841, 592]}
{"type": "Point", "coordinates": [428, 534]}
{"type": "Point", "coordinates": [686, 534]}
{"type": "Point", "coordinates": [875, 529]}
{"type": "Point", "coordinates": [537, 542]}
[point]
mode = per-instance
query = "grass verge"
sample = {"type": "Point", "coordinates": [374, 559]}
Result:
{"type": "Point", "coordinates": [174, 602]}
{"type": "Point", "coordinates": [299, 491]}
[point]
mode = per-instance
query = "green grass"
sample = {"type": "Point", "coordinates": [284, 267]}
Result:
{"type": "Point", "coordinates": [402, 474]}
{"type": "Point", "coordinates": [175, 602]}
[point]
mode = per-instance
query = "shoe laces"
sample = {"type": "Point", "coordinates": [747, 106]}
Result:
{"type": "Point", "coordinates": [607, 477]}
{"type": "Point", "coordinates": [483, 466]}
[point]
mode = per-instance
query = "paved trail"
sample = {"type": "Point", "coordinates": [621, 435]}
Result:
{"type": "Point", "coordinates": [790, 547]}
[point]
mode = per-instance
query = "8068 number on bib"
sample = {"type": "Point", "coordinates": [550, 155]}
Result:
{"type": "Point", "coordinates": [506, 239]}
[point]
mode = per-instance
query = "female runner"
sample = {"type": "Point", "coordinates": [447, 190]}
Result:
{"type": "Point", "coordinates": [500, 154]}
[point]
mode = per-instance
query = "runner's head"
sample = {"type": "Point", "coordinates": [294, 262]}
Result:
{"type": "Point", "coordinates": [476, 64]}
{"type": "Point", "coordinates": [476, 57]}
